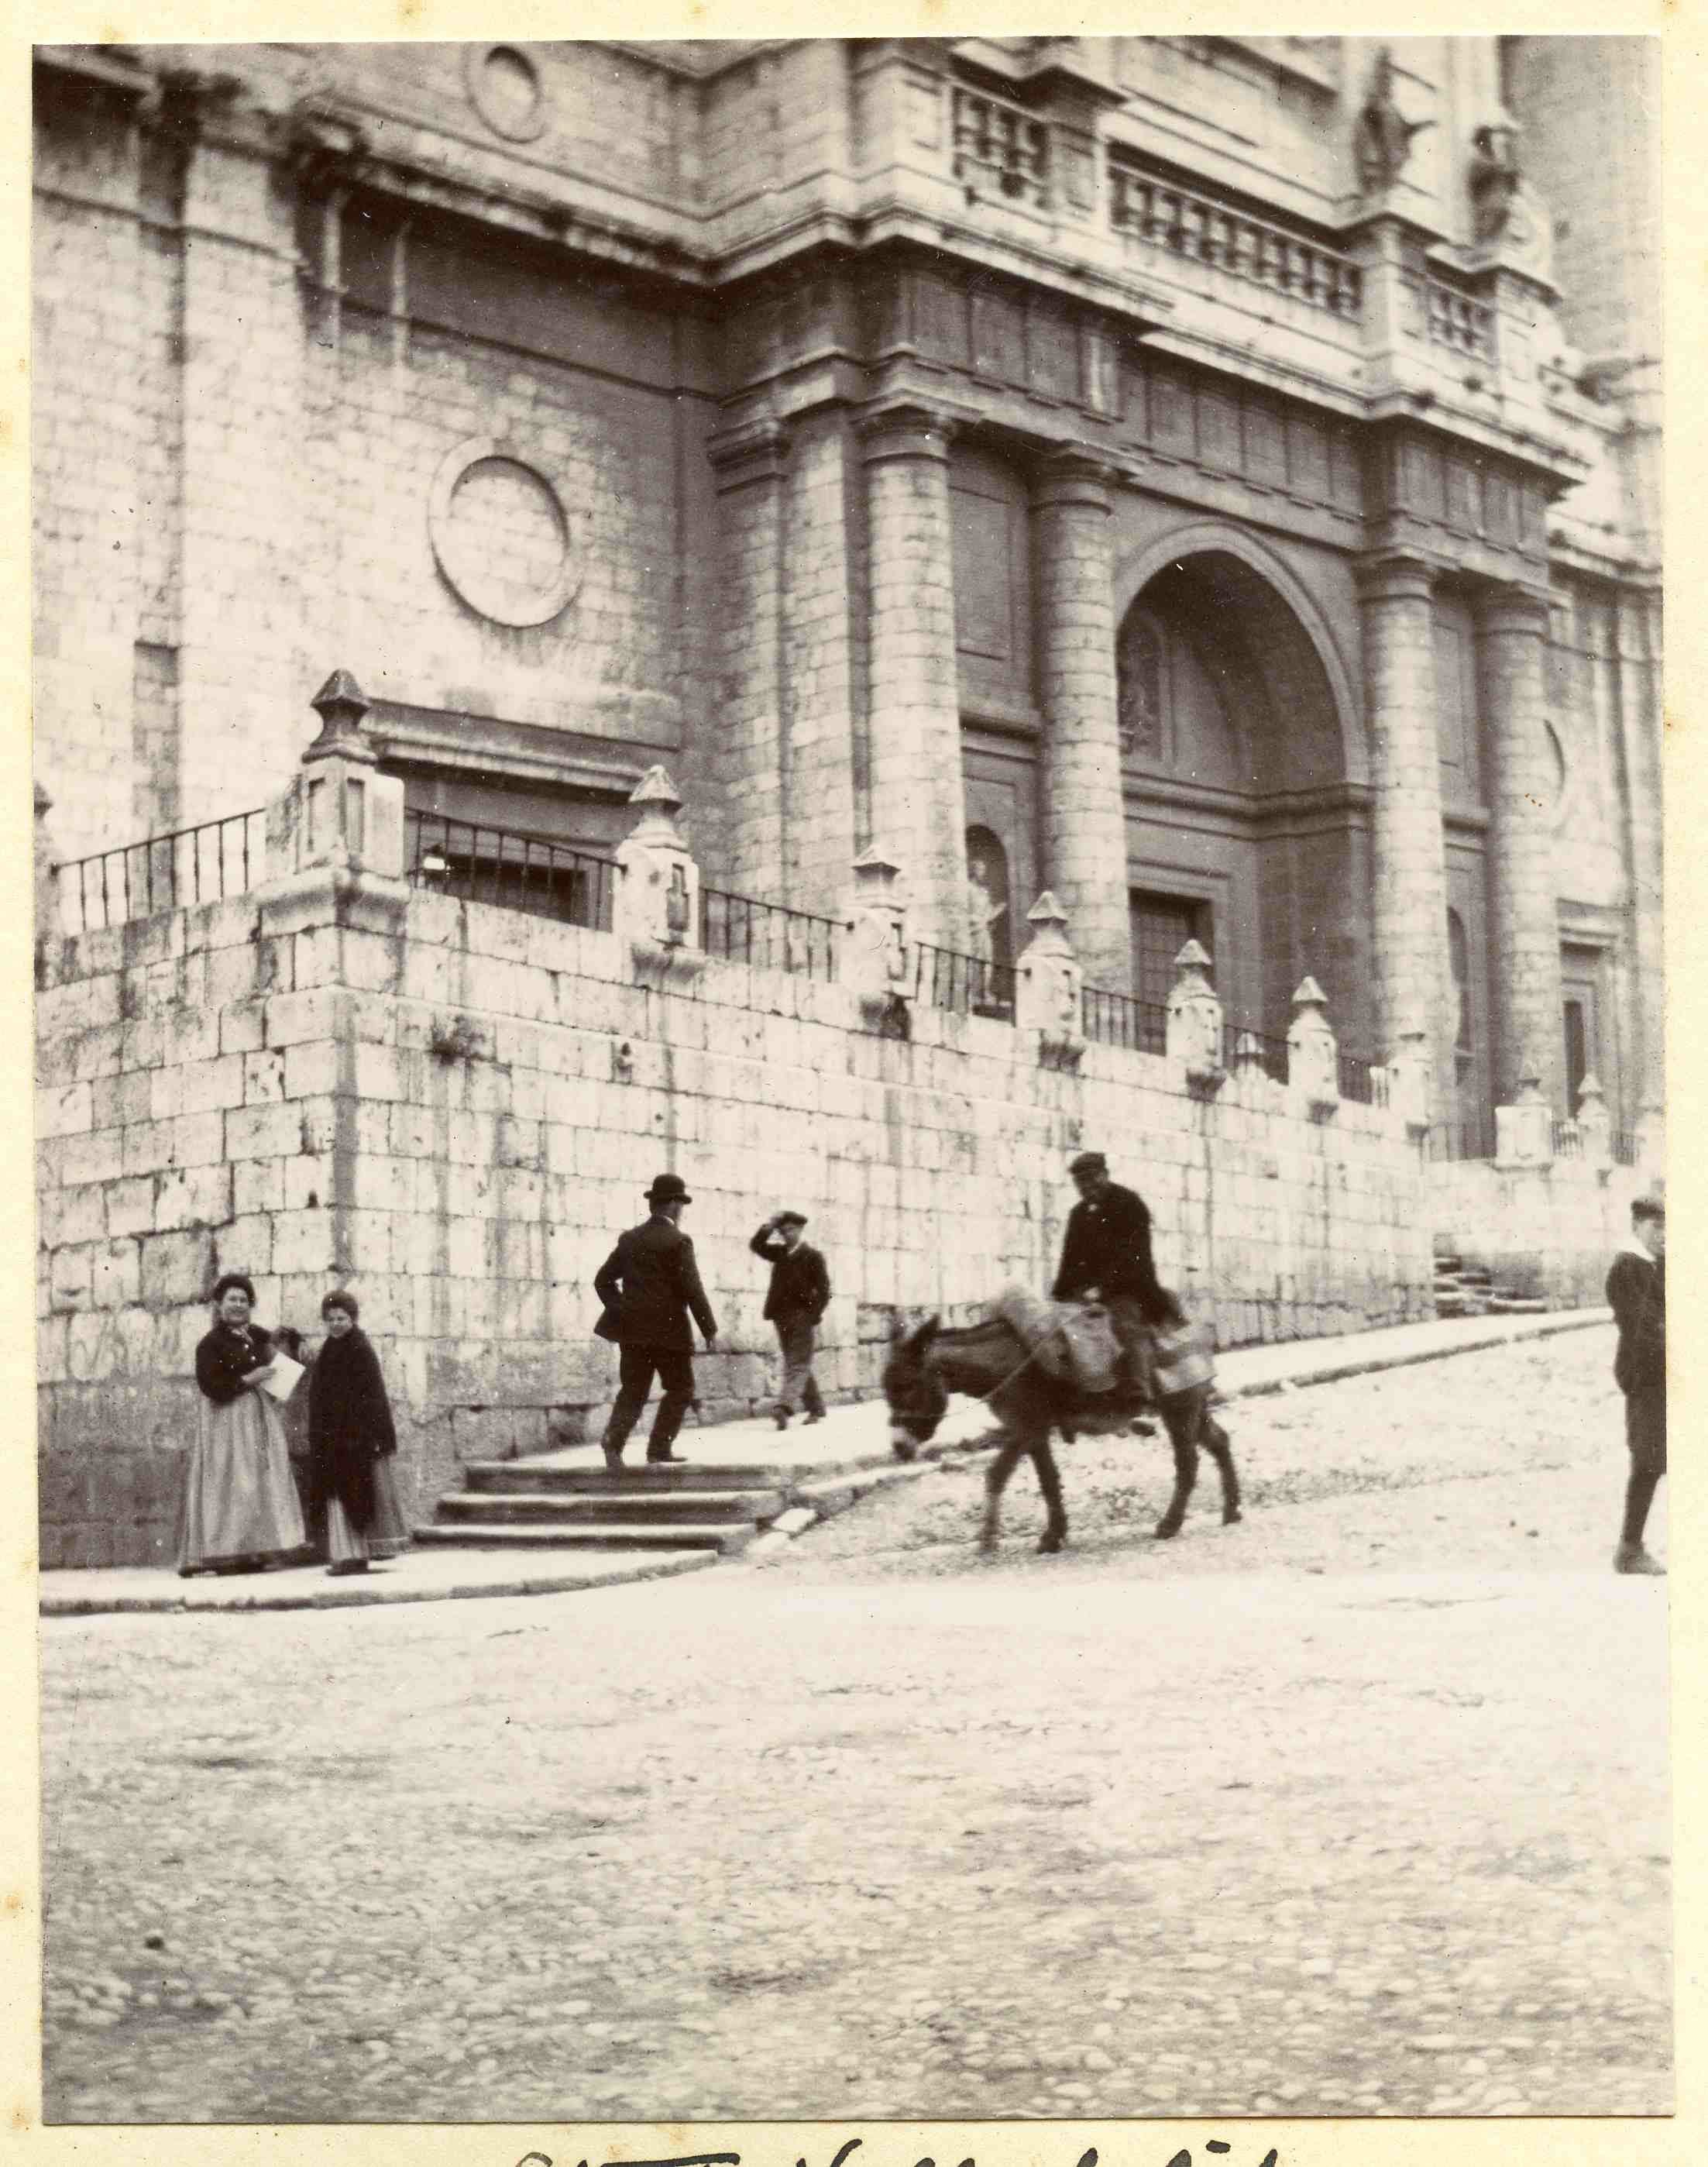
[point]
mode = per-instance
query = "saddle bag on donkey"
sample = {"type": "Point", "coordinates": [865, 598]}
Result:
{"type": "Point", "coordinates": [1073, 1341]}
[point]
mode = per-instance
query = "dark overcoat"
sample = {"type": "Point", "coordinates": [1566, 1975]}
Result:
{"type": "Point", "coordinates": [350, 1425]}
{"type": "Point", "coordinates": [1107, 1245]}
{"type": "Point", "coordinates": [651, 1282]}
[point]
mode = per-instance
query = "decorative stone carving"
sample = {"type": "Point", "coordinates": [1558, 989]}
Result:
{"type": "Point", "coordinates": [1050, 986]}
{"type": "Point", "coordinates": [1381, 141]}
{"type": "Point", "coordinates": [1510, 219]}
{"type": "Point", "coordinates": [874, 947]}
{"type": "Point", "coordinates": [1141, 664]}
{"type": "Point", "coordinates": [1524, 1132]}
{"type": "Point", "coordinates": [656, 909]}
{"type": "Point", "coordinates": [1408, 1078]}
{"type": "Point", "coordinates": [505, 90]}
{"type": "Point", "coordinates": [501, 536]}
{"type": "Point", "coordinates": [1194, 1028]}
{"type": "Point", "coordinates": [47, 887]}
{"type": "Point", "coordinates": [1312, 1054]}
{"type": "Point", "coordinates": [338, 812]}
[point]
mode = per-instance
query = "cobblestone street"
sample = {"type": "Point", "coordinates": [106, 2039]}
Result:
{"type": "Point", "coordinates": [1358, 1807]}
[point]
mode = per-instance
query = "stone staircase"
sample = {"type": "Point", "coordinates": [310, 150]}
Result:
{"type": "Point", "coordinates": [539, 1503]}
{"type": "Point", "coordinates": [1463, 1290]}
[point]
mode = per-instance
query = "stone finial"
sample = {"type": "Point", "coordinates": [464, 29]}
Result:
{"type": "Point", "coordinates": [1524, 1132]}
{"type": "Point", "coordinates": [338, 813]}
{"type": "Point", "coordinates": [1312, 1053]}
{"type": "Point", "coordinates": [657, 908]}
{"type": "Point", "coordinates": [48, 923]}
{"type": "Point", "coordinates": [875, 950]}
{"type": "Point", "coordinates": [343, 708]}
{"type": "Point", "coordinates": [1195, 1017]}
{"type": "Point", "coordinates": [1049, 985]}
{"type": "Point", "coordinates": [1595, 1123]}
{"type": "Point", "coordinates": [1409, 1077]}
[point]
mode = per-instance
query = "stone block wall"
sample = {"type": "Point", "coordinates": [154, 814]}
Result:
{"type": "Point", "coordinates": [1551, 1230]}
{"type": "Point", "coordinates": [453, 1109]}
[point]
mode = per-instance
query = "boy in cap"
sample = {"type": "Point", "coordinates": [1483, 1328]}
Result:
{"type": "Point", "coordinates": [799, 1296]}
{"type": "Point", "coordinates": [1636, 1289]}
{"type": "Point", "coordinates": [649, 1283]}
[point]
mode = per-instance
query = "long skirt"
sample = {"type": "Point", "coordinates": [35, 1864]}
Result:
{"type": "Point", "coordinates": [386, 1536]}
{"type": "Point", "coordinates": [239, 1501]}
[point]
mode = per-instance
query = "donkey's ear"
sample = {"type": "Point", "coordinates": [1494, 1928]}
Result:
{"type": "Point", "coordinates": [927, 1333]}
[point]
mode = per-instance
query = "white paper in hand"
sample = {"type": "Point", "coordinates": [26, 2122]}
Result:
{"type": "Point", "coordinates": [283, 1381]}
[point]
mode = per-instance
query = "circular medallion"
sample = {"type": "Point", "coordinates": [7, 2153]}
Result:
{"type": "Point", "coordinates": [505, 86]}
{"type": "Point", "coordinates": [501, 535]}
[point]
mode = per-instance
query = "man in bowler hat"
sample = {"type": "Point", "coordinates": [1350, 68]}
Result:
{"type": "Point", "coordinates": [799, 1296]}
{"type": "Point", "coordinates": [649, 1285]}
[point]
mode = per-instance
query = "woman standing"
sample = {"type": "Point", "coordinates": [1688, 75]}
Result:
{"type": "Point", "coordinates": [240, 1508]}
{"type": "Point", "coordinates": [351, 1442]}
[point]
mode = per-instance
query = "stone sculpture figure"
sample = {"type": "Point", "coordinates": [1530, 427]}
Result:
{"type": "Point", "coordinates": [1494, 177]}
{"type": "Point", "coordinates": [1382, 142]}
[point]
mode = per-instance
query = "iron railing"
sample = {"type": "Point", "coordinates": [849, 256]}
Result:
{"type": "Point", "coordinates": [1196, 226]}
{"type": "Point", "coordinates": [1568, 1139]}
{"type": "Point", "coordinates": [204, 864]}
{"type": "Point", "coordinates": [471, 862]}
{"type": "Point", "coordinates": [1119, 1019]}
{"type": "Point", "coordinates": [943, 978]}
{"type": "Point", "coordinates": [1623, 1144]}
{"type": "Point", "coordinates": [743, 929]}
{"type": "Point", "coordinates": [1240, 1043]}
{"type": "Point", "coordinates": [1357, 1079]}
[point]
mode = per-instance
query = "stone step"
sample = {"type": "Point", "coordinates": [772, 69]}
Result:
{"type": "Point", "coordinates": [730, 1537]}
{"type": "Point", "coordinates": [493, 1477]}
{"type": "Point", "coordinates": [515, 1506]}
{"type": "Point", "coordinates": [1518, 1305]}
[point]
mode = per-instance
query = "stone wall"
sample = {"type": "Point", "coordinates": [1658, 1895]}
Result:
{"type": "Point", "coordinates": [1548, 1230]}
{"type": "Point", "coordinates": [453, 1109]}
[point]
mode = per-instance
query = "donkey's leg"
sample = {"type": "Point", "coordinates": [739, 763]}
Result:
{"type": "Point", "coordinates": [1215, 1443]}
{"type": "Point", "coordinates": [997, 1475]}
{"type": "Point", "coordinates": [1049, 1482]}
{"type": "Point", "coordinates": [1182, 1423]}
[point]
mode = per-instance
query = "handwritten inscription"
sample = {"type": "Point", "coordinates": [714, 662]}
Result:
{"type": "Point", "coordinates": [853, 2144]}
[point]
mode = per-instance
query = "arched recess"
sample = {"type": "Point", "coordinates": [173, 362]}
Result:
{"type": "Point", "coordinates": [1213, 538]}
{"type": "Point", "coordinates": [1245, 760]}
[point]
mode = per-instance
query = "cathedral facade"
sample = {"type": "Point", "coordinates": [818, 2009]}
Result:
{"type": "Point", "coordinates": [1214, 479]}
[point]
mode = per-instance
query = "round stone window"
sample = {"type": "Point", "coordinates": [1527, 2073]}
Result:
{"type": "Point", "coordinates": [501, 535]}
{"type": "Point", "coordinates": [505, 86]}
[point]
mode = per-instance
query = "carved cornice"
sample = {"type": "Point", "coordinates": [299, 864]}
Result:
{"type": "Point", "coordinates": [904, 429]}
{"type": "Point", "coordinates": [757, 451]}
{"type": "Point", "coordinates": [326, 148]}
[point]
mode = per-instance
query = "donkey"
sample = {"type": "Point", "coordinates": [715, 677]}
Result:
{"type": "Point", "coordinates": [989, 1361]}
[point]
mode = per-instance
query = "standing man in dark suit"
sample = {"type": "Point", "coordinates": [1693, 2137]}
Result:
{"type": "Point", "coordinates": [799, 1296]}
{"type": "Point", "coordinates": [1106, 1252]}
{"type": "Point", "coordinates": [651, 1282]}
{"type": "Point", "coordinates": [1637, 1290]}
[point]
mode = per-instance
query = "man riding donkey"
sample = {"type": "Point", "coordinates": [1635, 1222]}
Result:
{"type": "Point", "coordinates": [1040, 1367]}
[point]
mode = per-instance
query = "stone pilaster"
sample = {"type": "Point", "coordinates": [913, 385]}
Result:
{"type": "Point", "coordinates": [1524, 933]}
{"type": "Point", "coordinates": [1643, 731]}
{"type": "Point", "coordinates": [750, 469]}
{"type": "Point", "coordinates": [918, 799]}
{"type": "Point", "coordinates": [1085, 826]}
{"type": "Point", "coordinates": [1409, 864]}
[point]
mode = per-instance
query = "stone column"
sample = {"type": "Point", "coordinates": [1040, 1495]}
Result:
{"type": "Point", "coordinates": [750, 467]}
{"type": "Point", "coordinates": [1409, 859]}
{"type": "Point", "coordinates": [1524, 931]}
{"type": "Point", "coordinates": [918, 798]}
{"type": "Point", "coordinates": [1085, 823]}
{"type": "Point", "coordinates": [1642, 730]}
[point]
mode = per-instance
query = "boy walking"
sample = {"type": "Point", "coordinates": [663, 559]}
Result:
{"type": "Point", "coordinates": [1636, 1289]}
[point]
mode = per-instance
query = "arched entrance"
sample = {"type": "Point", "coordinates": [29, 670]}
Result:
{"type": "Point", "coordinates": [1242, 765]}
